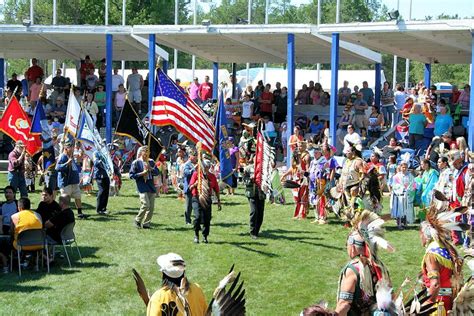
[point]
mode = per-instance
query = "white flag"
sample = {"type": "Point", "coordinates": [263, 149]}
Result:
{"type": "Point", "coordinates": [72, 115]}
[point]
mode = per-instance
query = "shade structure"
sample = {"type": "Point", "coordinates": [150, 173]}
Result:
{"type": "Point", "coordinates": [254, 43]}
{"type": "Point", "coordinates": [72, 42]}
{"type": "Point", "coordinates": [429, 42]}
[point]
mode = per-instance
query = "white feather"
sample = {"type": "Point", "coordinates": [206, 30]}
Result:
{"type": "Point", "coordinates": [453, 226]}
{"type": "Point", "coordinates": [383, 295]}
{"type": "Point", "coordinates": [447, 216]}
{"type": "Point", "coordinates": [383, 243]}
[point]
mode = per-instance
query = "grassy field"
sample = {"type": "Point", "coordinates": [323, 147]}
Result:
{"type": "Point", "coordinates": [294, 264]}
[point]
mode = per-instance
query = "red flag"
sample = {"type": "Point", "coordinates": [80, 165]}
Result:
{"type": "Point", "coordinates": [16, 124]}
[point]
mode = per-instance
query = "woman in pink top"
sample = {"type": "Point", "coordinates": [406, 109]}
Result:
{"type": "Point", "coordinates": [35, 89]}
{"type": "Point", "coordinates": [120, 97]}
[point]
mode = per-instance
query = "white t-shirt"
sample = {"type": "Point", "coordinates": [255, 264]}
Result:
{"type": "Point", "coordinates": [116, 81]}
{"type": "Point", "coordinates": [354, 138]}
{"type": "Point", "coordinates": [269, 127]}
{"type": "Point", "coordinates": [247, 109]}
{"type": "Point", "coordinates": [400, 98]}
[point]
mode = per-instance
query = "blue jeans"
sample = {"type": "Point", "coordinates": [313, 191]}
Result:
{"type": "Point", "coordinates": [17, 181]}
{"type": "Point", "coordinates": [387, 112]}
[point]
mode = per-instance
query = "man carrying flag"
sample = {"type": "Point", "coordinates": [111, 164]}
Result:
{"type": "Point", "coordinates": [222, 151]}
{"type": "Point", "coordinates": [172, 107]}
{"type": "Point", "coordinates": [16, 124]}
{"type": "Point", "coordinates": [40, 127]}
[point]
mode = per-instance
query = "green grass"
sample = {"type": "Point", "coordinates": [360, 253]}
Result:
{"type": "Point", "coordinates": [293, 265]}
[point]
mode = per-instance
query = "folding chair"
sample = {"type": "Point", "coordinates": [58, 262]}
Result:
{"type": "Point", "coordinates": [27, 238]}
{"type": "Point", "coordinates": [68, 238]}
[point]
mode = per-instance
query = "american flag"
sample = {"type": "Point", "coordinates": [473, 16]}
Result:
{"type": "Point", "coordinates": [171, 106]}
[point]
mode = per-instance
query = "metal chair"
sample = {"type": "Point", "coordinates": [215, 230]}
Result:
{"type": "Point", "coordinates": [68, 238]}
{"type": "Point", "coordinates": [27, 238]}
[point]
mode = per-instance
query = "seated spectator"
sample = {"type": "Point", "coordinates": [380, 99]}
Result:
{"type": "Point", "coordinates": [326, 99]}
{"type": "Point", "coordinates": [269, 130]}
{"type": "Point", "coordinates": [48, 207]}
{"type": "Point", "coordinates": [443, 121]}
{"type": "Point", "coordinates": [354, 93]}
{"type": "Point", "coordinates": [352, 138]}
{"type": "Point", "coordinates": [315, 127]}
{"type": "Point", "coordinates": [316, 94]}
{"type": "Point", "coordinates": [376, 122]}
{"type": "Point", "coordinates": [392, 149]}
{"type": "Point", "coordinates": [91, 81]}
{"type": "Point", "coordinates": [25, 219]}
{"type": "Point", "coordinates": [55, 224]}
{"type": "Point", "coordinates": [58, 111]}
{"type": "Point", "coordinates": [248, 91]}
{"type": "Point", "coordinates": [417, 125]}
{"type": "Point", "coordinates": [9, 207]}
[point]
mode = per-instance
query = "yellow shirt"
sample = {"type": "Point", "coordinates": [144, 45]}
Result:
{"type": "Point", "coordinates": [166, 300]}
{"type": "Point", "coordinates": [27, 220]}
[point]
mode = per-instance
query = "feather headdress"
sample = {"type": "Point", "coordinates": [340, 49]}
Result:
{"type": "Point", "coordinates": [369, 226]}
{"type": "Point", "coordinates": [438, 227]}
{"type": "Point", "coordinates": [203, 185]}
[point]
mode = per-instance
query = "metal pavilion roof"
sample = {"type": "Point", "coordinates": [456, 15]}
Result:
{"type": "Point", "coordinates": [441, 41]}
{"type": "Point", "coordinates": [72, 42]}
{"type": "Point", "coordinates": [255, 43]}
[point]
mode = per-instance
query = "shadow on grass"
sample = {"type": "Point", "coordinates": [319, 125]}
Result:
{"type": "Point", "coordinates": [395, 228]}
{"type": "Point", "coordinates": [102, 218]}
{"type": "Point", "coordinates": [227, 225]}
{"type": "Point", "coordinates": [23, 288]}
{"type": "Point", "coordinates": [246, 246]}
{"type": "Point", "coordinates": [230, 203]}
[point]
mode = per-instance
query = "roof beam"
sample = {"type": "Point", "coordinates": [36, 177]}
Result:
{"type": "Point", "coordinates": [142, 45]}
{"type": "Point", "coordinates": [262, 48]}
{"type": "Point", "coordinates": [60, 46]}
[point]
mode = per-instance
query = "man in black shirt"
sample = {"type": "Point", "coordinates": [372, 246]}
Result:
{"type": "Point", "coordinates": [55, 225]}
{"type": "Point", "coordinates": [13, 84]}
{"type": "Point", "coordinates": [48, 207]}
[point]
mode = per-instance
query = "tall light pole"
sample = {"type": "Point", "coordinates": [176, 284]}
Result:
{"type": "Point", "coordinates": [318, 65]}
{"type": "Point", "coordinates": [267, 4]}
{"type": "Point", "coordinates": [249, 18]}
{"type": "Point", "coordinates": [395, 59]}
{"type": "Point", "coordinates": [338, 10]}
{"type": "Point", "coordinates": [124, 15]}
{"type": "Point", "coordinates": [106, 17]}
{"type": "Point", "coordinates": [407, 64]}
{"type": "Point", "coordinates": [54, 23]}
{"type": "Point", "coordinates": [175, 55]}
{"type": "Point", "coordinates": [32, 12]}
{"type": "Point", "coordinates": [193, 61]}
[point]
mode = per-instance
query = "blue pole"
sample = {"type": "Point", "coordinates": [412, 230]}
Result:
{"type": "Point", "coordinates": [215, 80]}
{"type": "Point", "coordinates": [471, 101]}
{"type": "Point", "coordinates": [333, 99]}
{"type": "Point", "coordinates": [427, 75]}
{"type": "Point", "coordinates": [165, 66]}
{"type": "Point", "coordinates": [291, 92]}
{"type": "Point", "coordinates": [2, 76]}
{"type": "Point", "coordinates": [109, 45]}
{"type": "Point", "coordinates": [378, 83]}
{"type": "Point", "coordinates": [151, 70]}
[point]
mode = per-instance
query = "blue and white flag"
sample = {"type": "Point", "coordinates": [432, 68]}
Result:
{"type": "Point", "coordinates": [39, 126]}
{"type": "Point", "coordinates": [222, 138]}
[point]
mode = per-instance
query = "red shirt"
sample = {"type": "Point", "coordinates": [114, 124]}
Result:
{"type": "Point", "coordinates": [266, 106]}
{"type": "Point", "coordinates": [85, 68]}
{"type": "Point", "coordinates": [205, 91]}
{"type": "Point", "coordinates": [34, 72]}
{"type": "Point", "coordinates": [212, 183]}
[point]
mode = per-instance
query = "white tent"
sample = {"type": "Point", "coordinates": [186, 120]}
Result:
{"type": "Point", "coordinates": [303, 76]}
